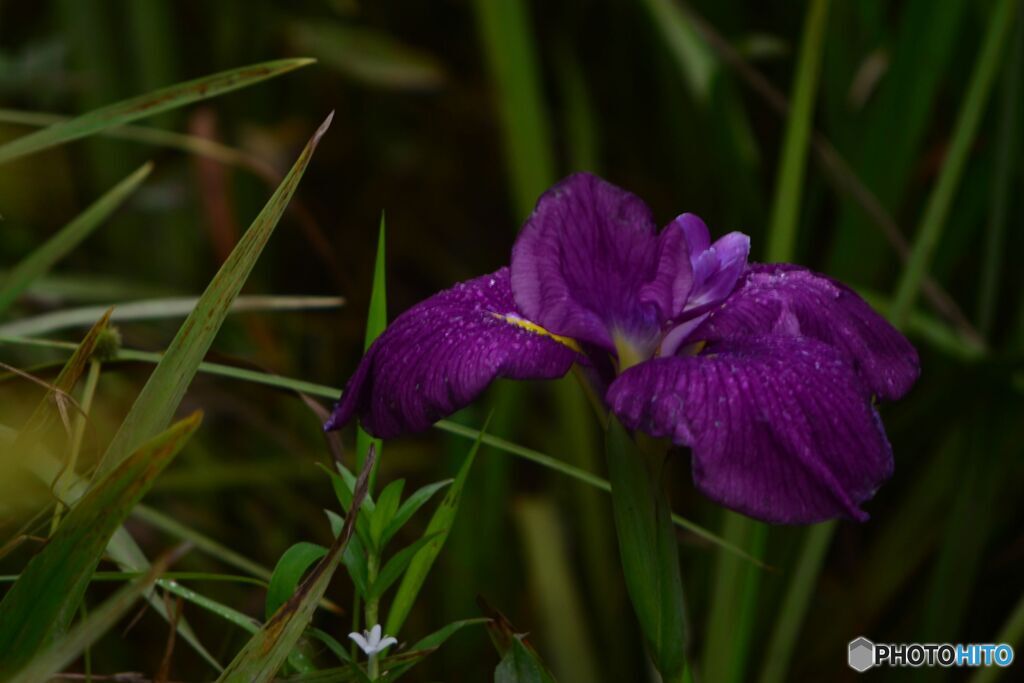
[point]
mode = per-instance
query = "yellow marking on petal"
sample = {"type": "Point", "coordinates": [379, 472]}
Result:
{"type": "Point", "coordinates": [537, 329]}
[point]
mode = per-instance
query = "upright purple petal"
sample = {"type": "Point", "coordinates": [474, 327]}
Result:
{"type": "Point", "coordinates": [785, 299]}
{"type": "Point", "coordinates": [442, 353]}
{"type": "Point", "coordinates": [781, 428]}
{"type": "Point", "coordinates": [693, 274]}
{"type": "Point", "coordinates": [581, 260]}
{"type": "Point", "coordinates": [670, 288]}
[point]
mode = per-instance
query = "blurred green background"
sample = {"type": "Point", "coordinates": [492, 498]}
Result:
{"type": "Point", "coordinates": [834, 133]}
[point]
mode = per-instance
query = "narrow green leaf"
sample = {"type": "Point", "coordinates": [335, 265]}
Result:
{"type": "Point", "coordinates": [368, 56]}
{"type": "Point", "coordinates": [163, 392]}
{"type": "Point", "coordinates": [44, 414]}
{"type": "Point", "coordinates": [263, 655]}
{"type": "Point", "coordinates": [520, 665]}
{"type": "Point", "coordinates": [438, 529]}
{"type": "Point", "coordinates": [158, 309]}
{"type": "Point", "coordinates": [386, 507]}
{"type": "Point", "coordinates": [1007, 136]}
{"type": "Point", "coordinates": [941, 198]}
{"type": "Point", "coordinates": [85, 633]}
{"type": "Point", "coordinates": [412, 505]}
{"type": "Point", "coordinates": [394, 567]}
{"type": "Point", "coordinates": [149, 104]}
{"type": "Point", "coordinates": [793, 160]}
{"type": "Point", "coordinates": [376, 323]}
{"type": "Point", "coordinates": [692, 54]}
{"type": "Point", "coordinates": [36, 264]}
{"type": "Point", "coordinates": [648, 548]}
{"type": "Point", "coordinates": [791, 614]}
{"type": "Point", "coordinates": [290, 568]}
{"type": "Point", "coordinates": [1012, 633]}
{"type": "Point", "coordinates": [510, 48]}
{"type": "Point", "coordinates": [42, 603]}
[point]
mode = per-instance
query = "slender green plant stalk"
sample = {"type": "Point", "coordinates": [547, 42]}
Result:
{"type": "Point", "coordinates": [793, 161]}
{"type": "Point", "coordinates": [941, 199]}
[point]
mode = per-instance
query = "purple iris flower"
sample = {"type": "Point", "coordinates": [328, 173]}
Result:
{"type": "Point", "coordinates": [768, 373]}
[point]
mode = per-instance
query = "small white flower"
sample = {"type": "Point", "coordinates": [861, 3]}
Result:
{"type": "Point", "coordinates": [370, 641]}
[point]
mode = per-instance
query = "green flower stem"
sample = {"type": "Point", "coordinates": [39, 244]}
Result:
{"type": "Point", "coordinates": [372, 610]}
{"type": "Point", "coordinates": [647, 546]}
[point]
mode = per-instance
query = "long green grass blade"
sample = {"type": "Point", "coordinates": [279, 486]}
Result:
{"type": "Point", "coordinates": [794, 605]}
{"type": "Point", "coordinates": [793, 160]}
{"type": "Point", "coordinates": [376, 322]}
{"type": "Point", "coordinates": [511, 56]}
{"type": "Point", "coordinates": [941, 198]}
{"type": "Point", "coordinates": [85, 633]}
{"type": "Point", "coordinates": [1011, 633]}
{"type": "Point", "coordinates": [42, 603]}
{"type": "Point", "coordinates": [289, 571]}
{"type": "Point", "coordinates": [263, 655]}
{"type": "Point", "coordinates": [438, 528]}
{"type": "Point", "coordinates": [565, 627]}
{"type": "Point", "coordinates": [165, 388]}
{"type": "Point", "coordinates": [367, 55]}
{"type": "Point", "coordinates": [1006, 143]}
{"type": "Point", "coordinates": [36, 264]}
{"type": "Point", "coordinates": [690, 51]}
{"type": "Point", "coordinates": [150, 104]}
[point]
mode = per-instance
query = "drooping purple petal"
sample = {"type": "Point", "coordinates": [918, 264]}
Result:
{"type": "Point", "coordinates": [784, 299]}
{"type": "Point", "coordinates": [442, 353]}
{"type": "Point", "coordinates": [581, 259]}
{"type": "Point", "coordinates": [781, 428]}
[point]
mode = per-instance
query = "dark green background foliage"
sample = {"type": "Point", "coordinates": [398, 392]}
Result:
{"type": "Point", "coordinates": [452, 117]}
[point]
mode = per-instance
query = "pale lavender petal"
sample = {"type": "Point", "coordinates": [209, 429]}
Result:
{"type": "Point", "coordinates": [374, 636]}
{"type": "Point", "coordinates": [361, 642]}
{"type": "Point", "coordinates": [386, 643]}
{"type": "Point", "coordinates": [790, 300]}
{"type": "Point", "coordinates": [581, 260]}
{"type": "Point", "coordinates": [717, 270]}
{"type": "Point", "coordinates": [781, 428]}
{"type": "Point", "coordinates": [442, 353]}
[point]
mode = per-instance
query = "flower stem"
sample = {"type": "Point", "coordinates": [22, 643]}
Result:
{"type": "Point", "coordinates": [647, 546]}
{"type": "Point", "coordinates": [372, 610]}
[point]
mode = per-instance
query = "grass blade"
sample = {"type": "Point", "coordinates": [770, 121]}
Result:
{"type": "Point", "coordinates": [288, 573]}
{"type": "Point", "coordinates": [42, 603]}
{"type": "Point", "coordinates": [1007, 136]}
{"type": "Point", "coordinates": [1011, 633]}
{"type": "Point", "coordinates": [165, 388]}
{"type": "Point", "coordinates": [376, 322]}
{"type": "Point", "coordinates": [941, 198]}
{"type": "Point", "coordinates": [36, 264]}
{"type": "Point", "coordinates": [511, 54]}
{"type": "Point", "coordinates": [159, 309]}
{"type": "Point", "coordinates": [793, 160]}
{"type": "Point", "coordinates": [150, 104]}
{"type": "Point", "coordinates": [265, 652]}
{"type": "Point", "coordinates": [439, 527]}
{"type": "Point", "coordinates": [88, 631]}
{"type": "Point", "coordinates": [795, 603]}
{"type": "Point", "coordinates": [369, 56]}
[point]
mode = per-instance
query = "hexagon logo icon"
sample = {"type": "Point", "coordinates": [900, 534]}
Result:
{"type": "Point", "coordinates": [862, 654]}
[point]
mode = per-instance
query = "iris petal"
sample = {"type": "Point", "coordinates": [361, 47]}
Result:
{"type": "Point", "coordinates": [581, 260]}
{"type": "Point", "coordinates": [781, 428]}
{"type": "Point", "coordinates": [442, 353]}
{"type": "Point", "coordinates": [790, 300]}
